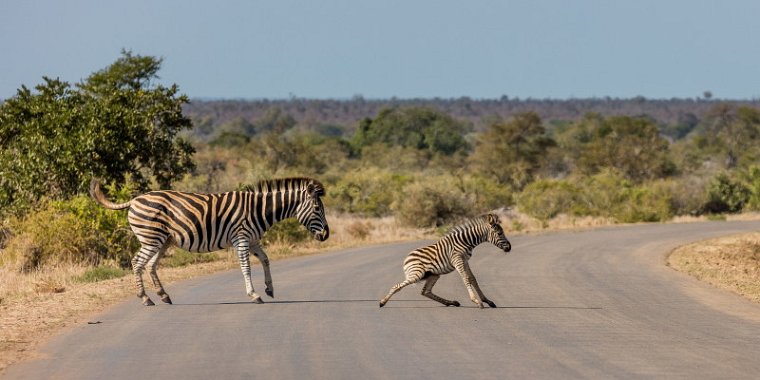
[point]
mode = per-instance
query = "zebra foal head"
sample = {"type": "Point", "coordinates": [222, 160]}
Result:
{"type": "Point", "coordinates": [496, 233]}
{"type": "Point", "coordinates": [311, 211]}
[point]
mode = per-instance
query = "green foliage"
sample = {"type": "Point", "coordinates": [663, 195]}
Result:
{"type": "Point", "coordinates": [286, 231]}
{"type": "Point", "coordinates": [512, 152]}
{"type": "Point", "coordinates": [631, 145]}
{"type": "Point", "coordinates": [230, 139]}
{"type": "Point", "coordinates": [413, 127]}
{"type": "Point", "coordinates": [180, 258]}
{"type": "Point", "coordinates": [112, 125]}
{"type": "Point", "coordinates": [73, 231]}
{"type": "Point", "coordinates": [101, 273]}
{"type": "Point", "coordinates": [734, 130]}
{"type": "Point", "coordinates": [307, 153]}
{"type": "Point", "coordinates": [432, 202]}
{"type": "Point", "coordinates": [607, 194]}
{"type": "Point", "coordinates": [368, 192]}
{"type": "Point", "coordinates": [751, 180]}
{"type": "Point", "coordinates": [545, 199]}
{"type": "Point", "coordinates": [726, 194]}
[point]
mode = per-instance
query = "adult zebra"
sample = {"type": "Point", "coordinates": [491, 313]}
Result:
{"type": "Point", "coordinates": [452, 251]}
{"type": "Point", "coordinates": [209, 222]}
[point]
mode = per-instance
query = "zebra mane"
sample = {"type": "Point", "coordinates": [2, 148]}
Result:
{"type": "Point", "coordinates": [292, 183]}
{"type": "Point", "coordinates": [469, 224]}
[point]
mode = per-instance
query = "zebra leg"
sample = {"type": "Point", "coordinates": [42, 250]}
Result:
{"type": "Point", "coordinates": [153, 265]}
{"type": "Point", "coordinates": [399, 286]}
{"type": "Point", "coordinates": [427, 291]}
{"type": "Point", "coordinates": [241, 247]}
{"type": "Point", "coordinates": [258, 251]}
{"type": "Point", "coordinates": [145, 254]}
{"type": "Point", "coordinates": [480, 292]}
{"type": "Point", "coordinates": [464, 270]}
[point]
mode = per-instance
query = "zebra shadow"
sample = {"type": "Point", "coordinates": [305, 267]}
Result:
{"type": "Point", "coordinates": [275, 302]}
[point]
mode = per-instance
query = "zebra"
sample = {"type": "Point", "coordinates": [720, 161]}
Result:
{"type": "Point", "coordinates": [452, 251]}
{"type": "Point", "coordinates": [209, 222]}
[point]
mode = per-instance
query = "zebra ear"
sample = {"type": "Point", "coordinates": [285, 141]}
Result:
{"type": "Point", "coordinates": [492, 219]}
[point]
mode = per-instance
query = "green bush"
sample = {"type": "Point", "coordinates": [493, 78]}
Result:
{"type": "Point", "coordinates": [73, 231]}
{"type": "Point", "coordinates": [286, 231]}
{"type": "Point", "coordinates": [644, 204]}
{"type": "Point", "coordinates": [725, 194]}
{"type": "Point", "coordinates": [368, 192]}
{"type": "Point", "coordinates": [432, 202]}
{"type": "Point", "coordinates": [751, 179]}
{"type": "Point", "coordinates": [180, 258]}
{"type": "Point", "coordinates": [101, 273]}
{"type": "Point", "coordinates": [545, 199]}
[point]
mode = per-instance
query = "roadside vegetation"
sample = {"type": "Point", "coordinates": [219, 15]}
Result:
{"type": "Point", "coordinates": [404, 170]}
{"type": "Point", "coordinates": [730, 262]}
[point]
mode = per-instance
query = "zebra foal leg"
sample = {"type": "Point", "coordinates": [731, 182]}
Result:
{"type": "Point", "coordinates": [427, 291]}
{"type": "Point", "coordinates": [399, 286]}
{"type": "Point", "coordinates": [480, 292]}
{"type": "Point", "coordinates": [464, 270]}
{"type": "Point", "coordinates": [241, 246]}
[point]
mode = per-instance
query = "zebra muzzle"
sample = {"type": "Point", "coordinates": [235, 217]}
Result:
{"type": "Point", "coordinates": [323, 235]}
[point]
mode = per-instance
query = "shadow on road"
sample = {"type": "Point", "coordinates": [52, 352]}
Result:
{"type": "Point", "coordinates": [426, 305]}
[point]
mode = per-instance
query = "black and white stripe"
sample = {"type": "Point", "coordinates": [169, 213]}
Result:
{"type": "Point", "coordinates": [452, 252]}
{"type": "Point", "coordinates": [209, 222]}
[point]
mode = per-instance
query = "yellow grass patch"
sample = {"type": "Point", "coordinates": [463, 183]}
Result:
{"type": "Point", "coordinates": [731, 263]}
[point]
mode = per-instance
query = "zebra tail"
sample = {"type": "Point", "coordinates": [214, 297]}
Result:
{"type": "Point", "coordinates": [99, 197]}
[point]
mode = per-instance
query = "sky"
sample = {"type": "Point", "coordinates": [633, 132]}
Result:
{"type": "Point", "coordinates": [340, 49]}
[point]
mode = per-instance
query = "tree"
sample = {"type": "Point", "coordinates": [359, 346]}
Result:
{"type": "Point", "coordinates": [512, 152]}
{"type": "Point", "coordinates": [414, 127]}
{"type": "Point", "coordinates": [737, 130]}
{"type": "Point", "coordinates": [632, 145]}
{"type": "Point", "coordinates": [115, 124]}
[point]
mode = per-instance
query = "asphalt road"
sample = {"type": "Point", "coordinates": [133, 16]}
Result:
{"type": "Point", "coordinates": [599, 304]}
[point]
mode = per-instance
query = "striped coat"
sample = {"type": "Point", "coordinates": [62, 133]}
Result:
{"type": "Point", "coordinates": [452, 252]}
{"type": "Point", "coordinates": [209, 222]}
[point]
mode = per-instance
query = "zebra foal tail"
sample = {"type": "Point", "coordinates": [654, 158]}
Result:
{"type": "Point", "coordinates": [99, 197]}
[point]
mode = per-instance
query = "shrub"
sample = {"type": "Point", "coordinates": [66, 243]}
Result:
{"type": "Point", "coordinates": [545, 199]}
{"type": "Point", "coordinates": [751, 179]}
{"type": "Point", "coordinates": [725, 195]}
{"type": "Point", "coordinates": [101, 273]}
{"type": "Point", "coordinates": [180, 258]}
{"type": "Point", "coordinates": [644, 204]}
{"type": "Point", "coordinates": [432, 202]}
{"type": "Point", "coordinates": [286, 231]}
{"type": "Point", "coordinates": [367, 192]}
{"type": "Point", "coordinates": [73, 231]}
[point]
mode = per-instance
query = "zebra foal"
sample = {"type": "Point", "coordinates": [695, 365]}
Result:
{"type": "Point", "coordinates": [452, 252]}
{"type": "Point", "coordinates": [210, 222]}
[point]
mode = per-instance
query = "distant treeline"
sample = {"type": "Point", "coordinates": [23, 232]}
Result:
{"type": "Point", "coordinates": [345, 114]}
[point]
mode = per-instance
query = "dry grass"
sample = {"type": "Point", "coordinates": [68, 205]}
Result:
{"type": "Point", "coordinates": [731, 262]}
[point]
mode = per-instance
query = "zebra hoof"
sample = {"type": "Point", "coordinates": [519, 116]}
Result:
{"type": "Point", "coordinates": [148, 302]}
{"type": "Point", "coordinates": [257, 300]}
{"type": "Point", "coordinates": [269, 292]}
{"type": "Point", "coordinates": [382, 304]}
{"type": "Point", "coordinates": [491, 304]}
{"type": "Point", "coordinates": [165, 299]}
{"type": "Point", "coordinates": [455, 303]}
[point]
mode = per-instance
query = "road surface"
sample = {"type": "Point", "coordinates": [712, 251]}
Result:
{"type": "Point", "coordinates": [597, 304]}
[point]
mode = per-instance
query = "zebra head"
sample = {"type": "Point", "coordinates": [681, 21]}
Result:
{"type": "Point", "coordinates": [496, 233]}
{"type": "Point", "coordinates": [311, 212]}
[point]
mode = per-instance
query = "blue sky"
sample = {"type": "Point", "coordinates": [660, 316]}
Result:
{"type": "Point", "coordinates": [379, 49]}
